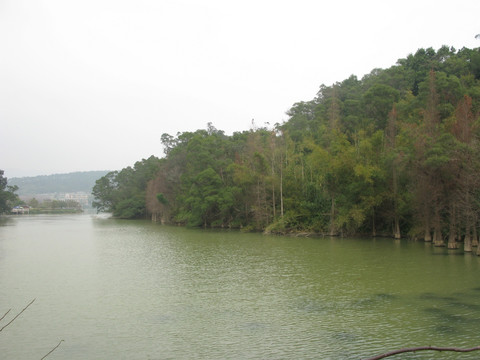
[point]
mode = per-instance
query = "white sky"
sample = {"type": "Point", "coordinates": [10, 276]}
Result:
{"type": "Point", "coordinates": [92, 84]}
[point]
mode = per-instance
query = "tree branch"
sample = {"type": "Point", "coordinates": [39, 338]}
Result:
{"type": "Point", "coordinates": [25, 308]}
{"type": "Point", "coordinates": [52, 350]}
{"type": "Point", "coordinates": [421, 348]}
{"type": "Point", "coordinates": [5, 314]}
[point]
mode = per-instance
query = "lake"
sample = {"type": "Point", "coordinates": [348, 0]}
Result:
{"type": "Point", "coordinates": [117, 289]}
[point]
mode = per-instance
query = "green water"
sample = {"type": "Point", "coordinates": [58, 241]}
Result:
{"type": "Point", "coordinates": [135, 290]}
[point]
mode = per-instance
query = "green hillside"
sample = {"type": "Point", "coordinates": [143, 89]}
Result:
{"type": "Point", "coordinates": [57, 183]}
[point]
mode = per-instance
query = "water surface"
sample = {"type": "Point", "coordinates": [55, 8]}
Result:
{"type": "Point", "coordinates": [134, 290]}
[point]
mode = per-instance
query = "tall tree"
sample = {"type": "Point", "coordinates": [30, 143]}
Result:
{"type": "Point", "coordinates": [467, 167]}
{"type": "Point", "coordinates": [393, 162]}
{"type": "Point", "coordinates": [8, 198]}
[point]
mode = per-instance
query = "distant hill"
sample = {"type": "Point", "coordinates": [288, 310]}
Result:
{"type": "Point", "coordinates": [57, 183]}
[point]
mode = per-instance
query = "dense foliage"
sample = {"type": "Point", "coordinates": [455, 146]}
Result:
{"type": "Point", "coordinates": [8, 197]}
{"type": "Point", "coordinates": [123, 192]}
{"type": "Point", "coordinates": [393, 153]}
{"type": "Point", "coordinates": [54, 207]}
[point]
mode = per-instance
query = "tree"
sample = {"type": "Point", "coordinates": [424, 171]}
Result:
{"type": "Point", "coordinates": [123, 192]}
{"type": "Point", "coordinates": [464, 192]}
{"type": "Point", "coordinates": [8, 198]}
{"type": "Point", "coordinates": [393, 162]}
{"type": "Point", "coordinates": [378, 101]}
{"type": "Point", "coordinates": [104, 192]}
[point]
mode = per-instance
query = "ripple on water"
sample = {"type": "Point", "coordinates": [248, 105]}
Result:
{"type": "Point", "coordinates": [312, 306]}
{"type": "Point", "coordinates": [436, 297]}
{"type": "Point", "coordinates": [445, 329]}
{"type": "Point", "coordinates": [374, 300]}
{"type": "Point", "coordinates": [344, 336]}
{"type": "Point", "coordinates": [115, 289]}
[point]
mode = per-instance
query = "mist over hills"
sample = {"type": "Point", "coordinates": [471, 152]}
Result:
{"type": "Point", "coordinates": [57, 183]}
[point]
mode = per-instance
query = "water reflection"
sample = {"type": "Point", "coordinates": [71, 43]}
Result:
{"type": "Point", "coordinates": [7, 221]}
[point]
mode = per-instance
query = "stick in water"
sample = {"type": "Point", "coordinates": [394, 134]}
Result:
{"type": "Point", "coordinates": [420, 348]}
{"type": "Point", "coordinates": [11, 321]}
{"type": "Point", "coordinates": [52, 350]}
{"type": "Point", "coordinates": [5, 314]}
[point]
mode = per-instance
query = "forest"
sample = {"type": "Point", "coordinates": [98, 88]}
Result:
{"type": "Point", "coordinates": [395, 153]}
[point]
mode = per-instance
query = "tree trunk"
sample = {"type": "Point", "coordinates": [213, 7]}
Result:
{"type": "Point", "coordinates": [452, 243]}
{"type": "Point", "coordinates": [428, 236]}
{"type": "Point", "coordinates": [474, 234]}
{"type": "Point", "coordinates": [281, 191]}
{"type": "Point", "coordinates": [258, 217]}
{"type": "Point", "coordinates": [396, 233]}
{"type": "Point", "coordinates": [332, 218]}
{"type": "Point", "coordinates": [452, 236]}
{"type": "Point", "coordinates": [437, 238]}
{"type": "Point", "coordinates": [437, 231]}
{"type": "Point", "coordinates": [273, 178]}
{"type": "Point", "coordinates": [273, 202]}
{"type": "Point", "coordinates": [266, 212]}
{"type": "Point", "coordinates": [467, 245]}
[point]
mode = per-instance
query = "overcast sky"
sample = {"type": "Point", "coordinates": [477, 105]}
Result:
{"type": "Point", "coordinates": [93, 84]}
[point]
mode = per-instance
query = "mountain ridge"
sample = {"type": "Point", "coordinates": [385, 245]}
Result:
{"type": "Point", "coordinates": [79, 181]}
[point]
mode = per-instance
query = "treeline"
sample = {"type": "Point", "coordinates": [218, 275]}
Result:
{"type": "Point", "coordinates": [54, 206]}
{"type": "Point", "coordinates": [57, 183]}
{"type": "Point", "coordinates": [395, 153]}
